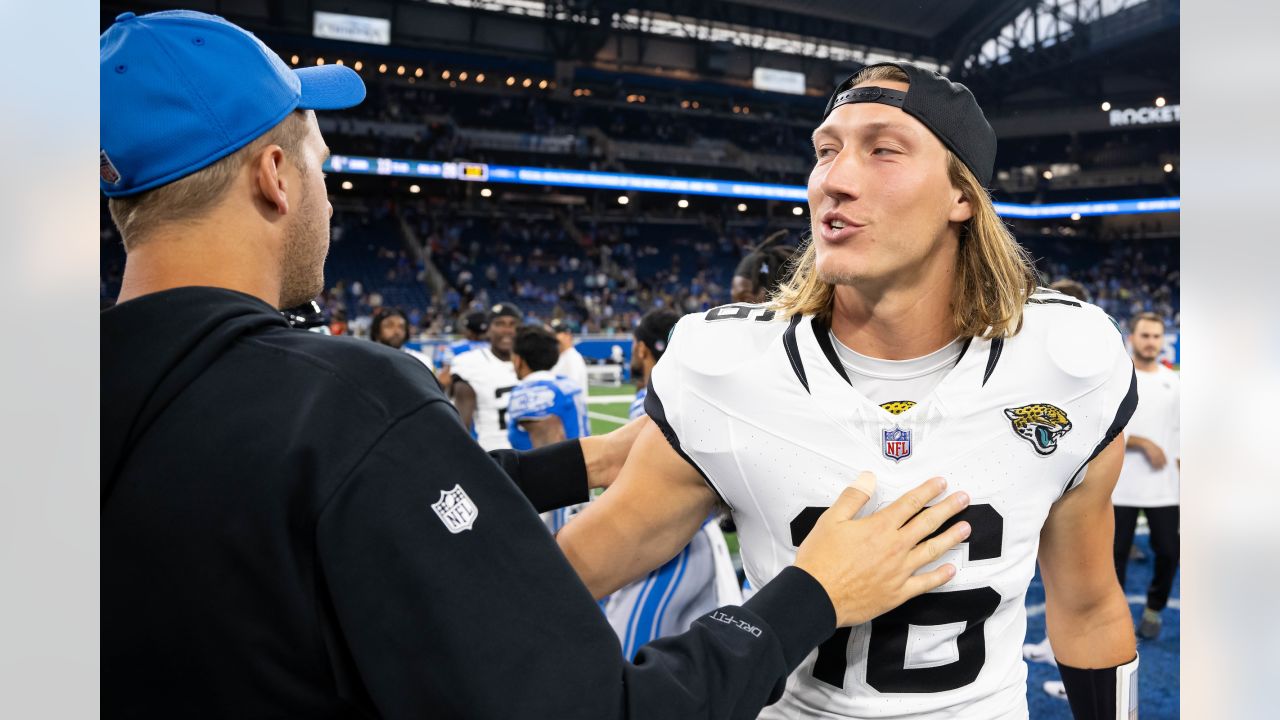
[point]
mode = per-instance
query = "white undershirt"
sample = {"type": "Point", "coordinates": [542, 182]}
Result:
{"type": "Point", "coordinates": [883, 381]}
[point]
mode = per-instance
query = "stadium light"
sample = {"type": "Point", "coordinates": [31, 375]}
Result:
{"type": "Point", "coordinates": [346, 185]}
{"type": "Point", "coordinates": [480, 78]}
{"type": "Point", "coordinates": [485, 192]}
{"type": "Point", "coordinates": [415, 189]}
{"type": "Point", "coordinates": [527, 82]}
{"type": "Point", "coordinates": [1075, 216]}
{"type": "Point", "coordinates": [400, 70]}
{"type": "Point", "coordinates": [338, 61]}
{"type": "Point", "coordinates": [1048, 174]}
{"type": "Point", "coordinates": [682, 203]}
{"type": "Point", "coordinates": [510, 81]}
{"type": "Point", "coordinates": [293, 60]}
{"type": "Point", "coordinates": [444, 75]}
{"type": "Point", "coordinates": [358, 66]}
{"type": "Point", "coordinates": [684, 104]}
{"type": "Point", "coordinates": [623, 199]}
{"type": "Point", "coordinates": [1159, 102]}
{"type": "Point", "coordinates": [417, 73]}
{"type": "Point", "coordinates": [737, 109]}
{"type": "Point", "coordinates": [462, 76]}
{"type": "Point", "coordinates": [696, 105]}
{"type": "Point", "coordinates": [319, 61]}
{"type": "Point", "coordinates": [742, 207]}
{"type": "Point", "coordinates": [382, 68]}
{"type": "Point", "coordinates": [542, 85]}
{"type": "Point", "coordinates": [1168, 167]}
{"type": "Point", "coordinates": [746, 110]}
{"type": "Point", "coordinates": [1105, 106]}
{"type": "Point", "coordinates": [797, 210]}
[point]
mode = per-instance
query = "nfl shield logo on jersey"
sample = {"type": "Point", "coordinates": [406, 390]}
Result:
{"type": "Point", "coordinates": [897, 443]}
{"type": "Point", "coordinates": [456, 510]}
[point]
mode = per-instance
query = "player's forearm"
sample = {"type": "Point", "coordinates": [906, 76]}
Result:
{"type": "Point", "coordinates": [1088, 635]}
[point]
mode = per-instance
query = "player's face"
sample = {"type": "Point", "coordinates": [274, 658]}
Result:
{"type": "Point", "coordinates": [880, 199]}
{"type": "Point", "coordinates": [393, 331]}
{"type": "Point", "coordinates": [1147, 340]}
{"type": "Point", "coordinates": [502, 333]}
{"type": "Point", "coordinates": [639, 351]}
{"type": "Point", "coordinates": [306, 239]}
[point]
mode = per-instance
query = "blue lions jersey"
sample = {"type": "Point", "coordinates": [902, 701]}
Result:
{"type": "Point", "coordinates": [543, 395]}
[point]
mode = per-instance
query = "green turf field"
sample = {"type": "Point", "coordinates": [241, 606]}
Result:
{"type": "Point", "coordinates": [607, 406]}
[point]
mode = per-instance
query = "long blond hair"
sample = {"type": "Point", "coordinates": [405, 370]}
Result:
{"type": "Point", "coordinates": [994, 274]}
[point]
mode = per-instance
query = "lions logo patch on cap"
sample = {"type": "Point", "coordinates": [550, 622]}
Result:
{"type": "Point", "coordinates": [456, 510]}
{"type": "Point", "coordinates": [106, 169]}
{"type": "Point", "coordinates": [1040, 424]}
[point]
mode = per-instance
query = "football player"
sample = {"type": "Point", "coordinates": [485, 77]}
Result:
{"type": "Point", "coordinates": [482, 379]}
{"type": "Point", "coordinates": [701, 576]}
{"type": "Point", "coordinates": [911, 341]}
{"type": "Point", "coordinates": [474, 326]}
{"type": "Point", "coordinates": [544, 407]}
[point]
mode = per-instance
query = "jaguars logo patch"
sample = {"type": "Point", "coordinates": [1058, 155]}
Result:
{"type": "Point", "coordinates": [897, 407]}
{"type": "Point", "coordinates": [1040, 424]}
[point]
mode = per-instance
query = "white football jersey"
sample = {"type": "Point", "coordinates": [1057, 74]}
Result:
{"type": "Point", "coordinates": [762, 407]}
{"type": "Point", "coordinates": [493, 380]}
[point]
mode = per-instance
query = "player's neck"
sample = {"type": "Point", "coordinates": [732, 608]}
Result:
{"type": "Point", "coordinates": [1147, 366]}
{"type": "Point", "coordinates": [504, 355]}
{"type": "Point", "coordinates": [198, 258]}
{"type": "Point", "coordinates": [897, 324]}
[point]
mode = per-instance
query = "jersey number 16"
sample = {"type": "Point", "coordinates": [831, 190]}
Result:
{"type": "Point", "coordinates": [887, 669]}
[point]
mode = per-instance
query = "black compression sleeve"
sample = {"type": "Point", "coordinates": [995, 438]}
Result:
{"type": "Point", "coordinates": [551, 477]}
{"type": "Point", "coordinates": [1091, 693]}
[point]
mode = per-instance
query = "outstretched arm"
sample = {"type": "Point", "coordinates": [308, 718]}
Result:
{"type": "Point", "coordinates": [464, 398]}
{"type": "Point", "coordinates": [1085, 608]}
{"type": "Point", "coordinates": [652, 510]}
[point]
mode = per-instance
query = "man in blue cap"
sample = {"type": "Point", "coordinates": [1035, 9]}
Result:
{"type": "Point", "coordinates": [296, 525]}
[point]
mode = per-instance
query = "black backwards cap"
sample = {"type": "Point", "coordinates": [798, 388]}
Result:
{"type": "Point", "coordinates": [947, 108]}
{"type": "Point", "coordinates": [655, 329]}
{"type": "Point", "coordinates": [505, 309]}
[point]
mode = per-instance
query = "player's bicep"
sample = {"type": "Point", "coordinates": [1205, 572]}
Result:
{"type": "Point", "coordinates": [656, 504]}
{"type": "Point", "coordinates": [1076, 542]}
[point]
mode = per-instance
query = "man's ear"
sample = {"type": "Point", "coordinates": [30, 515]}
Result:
{"type": "Point", "coordinates": [961, 208]}
{"type": "Point", "coordinates": [268, 171]}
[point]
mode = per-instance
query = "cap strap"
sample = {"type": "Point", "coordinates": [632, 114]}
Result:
{"type": "Point", "coordinates": [884, 96]}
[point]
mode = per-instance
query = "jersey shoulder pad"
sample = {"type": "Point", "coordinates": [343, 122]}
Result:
{"type": "Point", "coordinates": [1081, 342]}
{"type": "Point", "coordinates": [717, 341]}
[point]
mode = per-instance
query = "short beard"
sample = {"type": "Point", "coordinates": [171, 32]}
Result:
{"type": "Point", "coordinates": [306, 244]}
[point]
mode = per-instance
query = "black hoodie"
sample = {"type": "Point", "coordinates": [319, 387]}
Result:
{"type": "Point", "coordinates": [295, 525]}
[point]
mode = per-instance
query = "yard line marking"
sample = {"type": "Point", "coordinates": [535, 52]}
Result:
{"type": "Point", "coordinates": [609, 418]}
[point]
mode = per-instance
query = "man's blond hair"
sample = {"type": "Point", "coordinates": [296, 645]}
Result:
{"type": "Point", "coordinates": [191, 197]}
{"type": "Point", "coordinates": [994, 274]}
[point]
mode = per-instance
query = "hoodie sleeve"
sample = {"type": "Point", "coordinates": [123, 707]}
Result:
{"type": "Point", "coordinates": [451, 599]}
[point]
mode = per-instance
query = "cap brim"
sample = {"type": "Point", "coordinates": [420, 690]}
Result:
{"type": "Point", "coordinates": [329, 87]}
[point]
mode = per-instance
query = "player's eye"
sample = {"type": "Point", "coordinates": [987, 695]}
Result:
{"type": "Point", "coordinates": [825, 151]}
{"type": "Point", "coordinates": [884, 151]}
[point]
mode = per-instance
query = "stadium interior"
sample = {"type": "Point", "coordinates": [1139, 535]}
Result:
{"type": "Point", "coordinates": [1083, 96]}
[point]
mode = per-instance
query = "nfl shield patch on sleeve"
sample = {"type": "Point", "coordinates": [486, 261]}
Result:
{"type": "Point", "coordinates": [456, 510]}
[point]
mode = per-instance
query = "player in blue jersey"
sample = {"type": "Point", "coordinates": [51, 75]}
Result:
{"type": "Point", "coordinates": [545, 408]}
{"type": "Point", "coordinates": [701, 576]}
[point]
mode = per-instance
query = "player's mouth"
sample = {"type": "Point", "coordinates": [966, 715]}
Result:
{"type": "Point", "coordinates": [838, 228]}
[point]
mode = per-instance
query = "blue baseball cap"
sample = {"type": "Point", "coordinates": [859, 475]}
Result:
{"type": "Point", "coordinates": [182, 89]}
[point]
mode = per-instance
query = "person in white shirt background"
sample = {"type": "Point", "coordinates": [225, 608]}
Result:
{"type": "Point", "coordinates": [1150, 476]}
{"type": "Point", "coordinates": [571, 363]}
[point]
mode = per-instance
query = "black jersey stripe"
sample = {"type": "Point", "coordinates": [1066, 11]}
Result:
{"type": "Point", "coordinates": [1052, 301]}
{"type": "Point", "coordinates": [1123, 414]}
{"type": "Point", "coordinates": [993, 357]}
{"type": "Point", "coordinates": [653, 408]}
{"type": "Point", "coordinates": [963, 349]}
{"type": "Point", "coordinates": [793, 351]}
{"type": "Point", "coordinates": [822, 331]}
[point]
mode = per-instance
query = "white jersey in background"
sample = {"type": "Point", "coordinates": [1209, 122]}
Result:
{"type": "Point", "coordinates": [1156, 419]}
{"type": "Point", "coordinates": [765, 409]}
{"type": "Point", "coordinates": [492, 379]}
{"type": "Point", "coordinates": [572, 365]}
